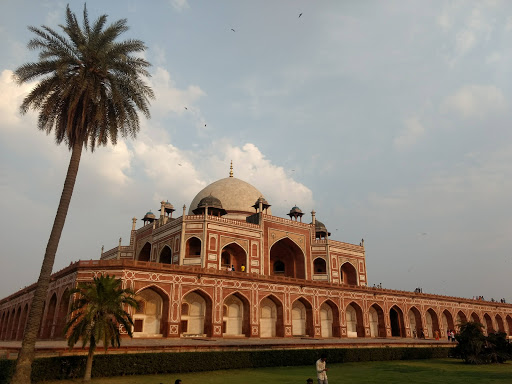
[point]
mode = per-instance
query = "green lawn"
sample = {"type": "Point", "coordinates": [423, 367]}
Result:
{"type": "Point", "coordinates": [416, 371]}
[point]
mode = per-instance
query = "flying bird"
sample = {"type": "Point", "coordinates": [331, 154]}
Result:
{"type": "Point", "coordinates": [179, 164]}
{"type": "Point", "coordinates": [300, 14]}
{"type": "Point", "coordinates": [233, 30]}
{"type": "Point", "coordinates": [186, 108]}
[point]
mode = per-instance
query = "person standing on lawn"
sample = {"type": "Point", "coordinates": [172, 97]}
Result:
{"type": "Point", "coordinates": [321, 369]}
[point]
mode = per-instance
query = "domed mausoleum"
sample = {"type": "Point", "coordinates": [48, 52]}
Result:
{"type": "Point", "coordinates": [230, 268]}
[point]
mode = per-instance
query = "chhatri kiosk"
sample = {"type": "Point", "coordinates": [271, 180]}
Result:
{"type": "Point", "coordinates": [296, 280]}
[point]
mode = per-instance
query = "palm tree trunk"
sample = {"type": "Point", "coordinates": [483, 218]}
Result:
{"type": "Point", "coordinates": [88, 365]}
{"type": "Point", "coordinates": [27, 352]}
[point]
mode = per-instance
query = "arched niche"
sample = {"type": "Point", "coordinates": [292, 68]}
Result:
{"type": "Point", "coordinates": [271, 317]}
{"type": "Point", "coordinates": [149, 318]}
{"type": "Point", "coordinates": [447, 319]}
{"type": "Point", "coordinates": [23, 322]}
{"type": "Point", "coordinates": [396, 320]}
{"type": "Point", "coordinates": [50, 317]}
{"type": "Point", "coordinates": [15, 324]}
{"type": "Point", "coordinates": [145, 253]}
{"type": "Point", "coordinates": [348, 274]}
{"type": "Point", "coordinates": [329, 319]}
{"type": "Point", "coordinates": [196, 314]}
{"type": "Point", "coordinates": [166, 255]}
{"type": "Point", "coordinates": [432, 323]}
{"type": "Point", "coordinates": [488, 327]}
{"type": "Point", "coordinates": [233, 255]}
{"type": "Point", "coordinates": [319, 266]}
{"type": "Point", "coordinates": [475, 318]}
{"type": "Point", "coordinates": [377, 322]}
{"type": "Point", "coordinates": [62, 314]}
{"type": "Point", "coordinates": [415, 323]}
{"type": "Point", "coordinates": [287, 255]}
{"type": "Point", "coordinates": [302, 318]}
{"type": "Point", "coordinates": [460, 319]}
{"type": "Point", "coordinates": [508, 319]}
{"type": "Point", "coordinates": [499, 323]}
{"type": "Point", "coordinates": [193, 248]}
{"type": "Point", "coordinates": [236, 312]}
{"type": "Point", "coordinates": [354, 320]}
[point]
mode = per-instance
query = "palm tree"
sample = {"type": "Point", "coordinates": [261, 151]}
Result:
{"type": "Point", "coordinates": [90, 91]}
{"type": "Point", "coordinates": [97, 314]}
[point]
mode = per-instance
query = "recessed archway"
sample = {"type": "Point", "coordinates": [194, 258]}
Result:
{"type": "Point", "coordinates": [233, 255]}
{"type": "Point", "coordinates": [62, 314]}
{"type": "Point", "coordinates": [236, 311]}
{"type": "Point", "coordinates": [348, 274]}
{"type": "Point", "coordinates": [196, 314]}
{"type": "Point", "coordinates": [166, 255]}
{"type": "Point", "coordinates": [329, 319]}
{"type": "Point", "coordinates": [10, 323]}
{"type": "Point", "coordinates": [460, 319]}
{"type": "Point", "coordinates": [377, 326]}
{"type": "Point", "coordinates": [193, 248]}
{"type": "Point", "coordinates": [3, 324]}
{"type": "Point", "coordinates": [149, 317]}
{"type": "Point", "coordinates": [508, 319]}
{"type": "Point", "coordinates": [488, 327]}
{"type": "Point", "coordinates": [499, 322]}
{"type": "Point", "coordinates": [475, 318]}
{"type": "Point", "coordinates": [447, 319]}
{"type": "Point", "coordinates": [271, 317]}
{"type": "Point", "coordinates": [302, 318]}
{"type": "Point", "coordinates": [16, 324]}
{"type": "Point", "coordinates": [145, 253]}
{"type": "Point", "coordinates": [287, 259]}
{"type": "Point", "coordinates": [23, 321]}
{"type": "Point", "coordinates": [50, 316]}
{"type": "Point", "coordinates": [354, 320]}
{"type": "Point", "coordinates": [432, 323]}
{"type": "Point", "coordinates": [415, 323]}
{"type": "Point", "coordinates": [319, 266]}
{"type": "Point", "coordinates": [396, 317]}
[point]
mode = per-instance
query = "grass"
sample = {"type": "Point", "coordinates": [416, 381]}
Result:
{"type": "Point", "coordinates": [415, 371]}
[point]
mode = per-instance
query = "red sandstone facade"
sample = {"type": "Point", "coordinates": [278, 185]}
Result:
{"type": "Point", "coordinates": [295, 280]}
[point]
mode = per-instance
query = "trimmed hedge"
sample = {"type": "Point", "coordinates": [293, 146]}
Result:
{"type": "Point", "coordinates": [66, 367]}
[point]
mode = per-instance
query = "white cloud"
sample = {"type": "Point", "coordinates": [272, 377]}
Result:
{"type": "Point", "coordinates": [11, 97]}
{"type": "Point", "coordinates": [180, 5]}
{"type": "Point", "coordinates": [168, 98]}
{"type": "Point", "coordinates": [410, 135]}
{"type": "Point", "coordinates": [476, 101]}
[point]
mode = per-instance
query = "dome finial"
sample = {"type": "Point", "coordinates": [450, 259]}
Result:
{"type": "Point", "coordinates": [231, 169]}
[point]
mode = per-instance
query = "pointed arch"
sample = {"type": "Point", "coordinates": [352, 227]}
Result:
{"type": "Point", "coordinates": [319, 266]}
{"type": "Point", "coordinates": [475, 318]}
{"type": "Point", "coordinates": [396, 319]}
{"type": "Point", "coordinates": [12, 313]}
{"type": "Point", "coordinates": [348, 274]}
{"type": "Point", "coordinates": [271, 317]}
{"type": "Point", "coordinates": [165, 255]}
{"type": "Point", "coordinates": [50, 317]}
{"type": "Point", "coordinates": [330, 319]}
{"type": "Point", "coordinates": [23, 322]}
{"type": "Point", "coordinates": [151, 319]}
{"type": "Point", "coordinates": [432, 323]}
{"type": "Point", "coordinates": [447, 321]}
{"type": "Point", "coordinates": [63, 311]}
{"type": "Point", "coordinates": [488, 326]}
{"type": "Point", "coordinates": [16, 324]}
{"type": "Point", "coordinates": [377, 321]}
{"type": "Point", "coordinates": [302, 318]}
{"type": "Point", "coordinates": [354, 320]}
{"type": "Point", "coordinates": [2, 324]}
{"type": "Point", "coordinates": [196, 314]}
{"type": "Point", "coordinates": [460, 319]}
{"type": "Point", "coordinates": [508, 319]}
{"type": "Point", "coordinates": [193, 247]}
{"type": "Point", "coordinates": [145, 252]}
{"type": "Point", "coordinates": [415, 322]}
{"type": "Point", "coordinates": [234, 255]}
{"type": "Point", "coordinates": [236, 320]}
{"type": "Point", "coordinates": [499, 323]}
{"type": "Point", "coordinates": [290, 257]}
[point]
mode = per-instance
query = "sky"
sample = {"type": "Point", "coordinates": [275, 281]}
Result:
{"type": "Point", "coordinates": [392, 120]}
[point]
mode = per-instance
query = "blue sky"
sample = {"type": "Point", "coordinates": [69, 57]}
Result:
{"type": "Point", "coordinates": [390, 119]}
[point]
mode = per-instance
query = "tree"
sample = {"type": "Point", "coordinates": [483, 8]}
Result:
{"type": "Point", "coordinates": [97, 315]}
{"type": "Point", "coordinates": [90, 92]}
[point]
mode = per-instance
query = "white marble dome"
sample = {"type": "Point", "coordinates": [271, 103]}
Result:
{"type": "Point", "coordinates": [236, 196]}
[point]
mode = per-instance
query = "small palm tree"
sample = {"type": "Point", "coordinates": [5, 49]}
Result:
{"type": "Point", "coordinates": [98, 313]}
{"type": "Point", "coordinates": [90, 92]}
